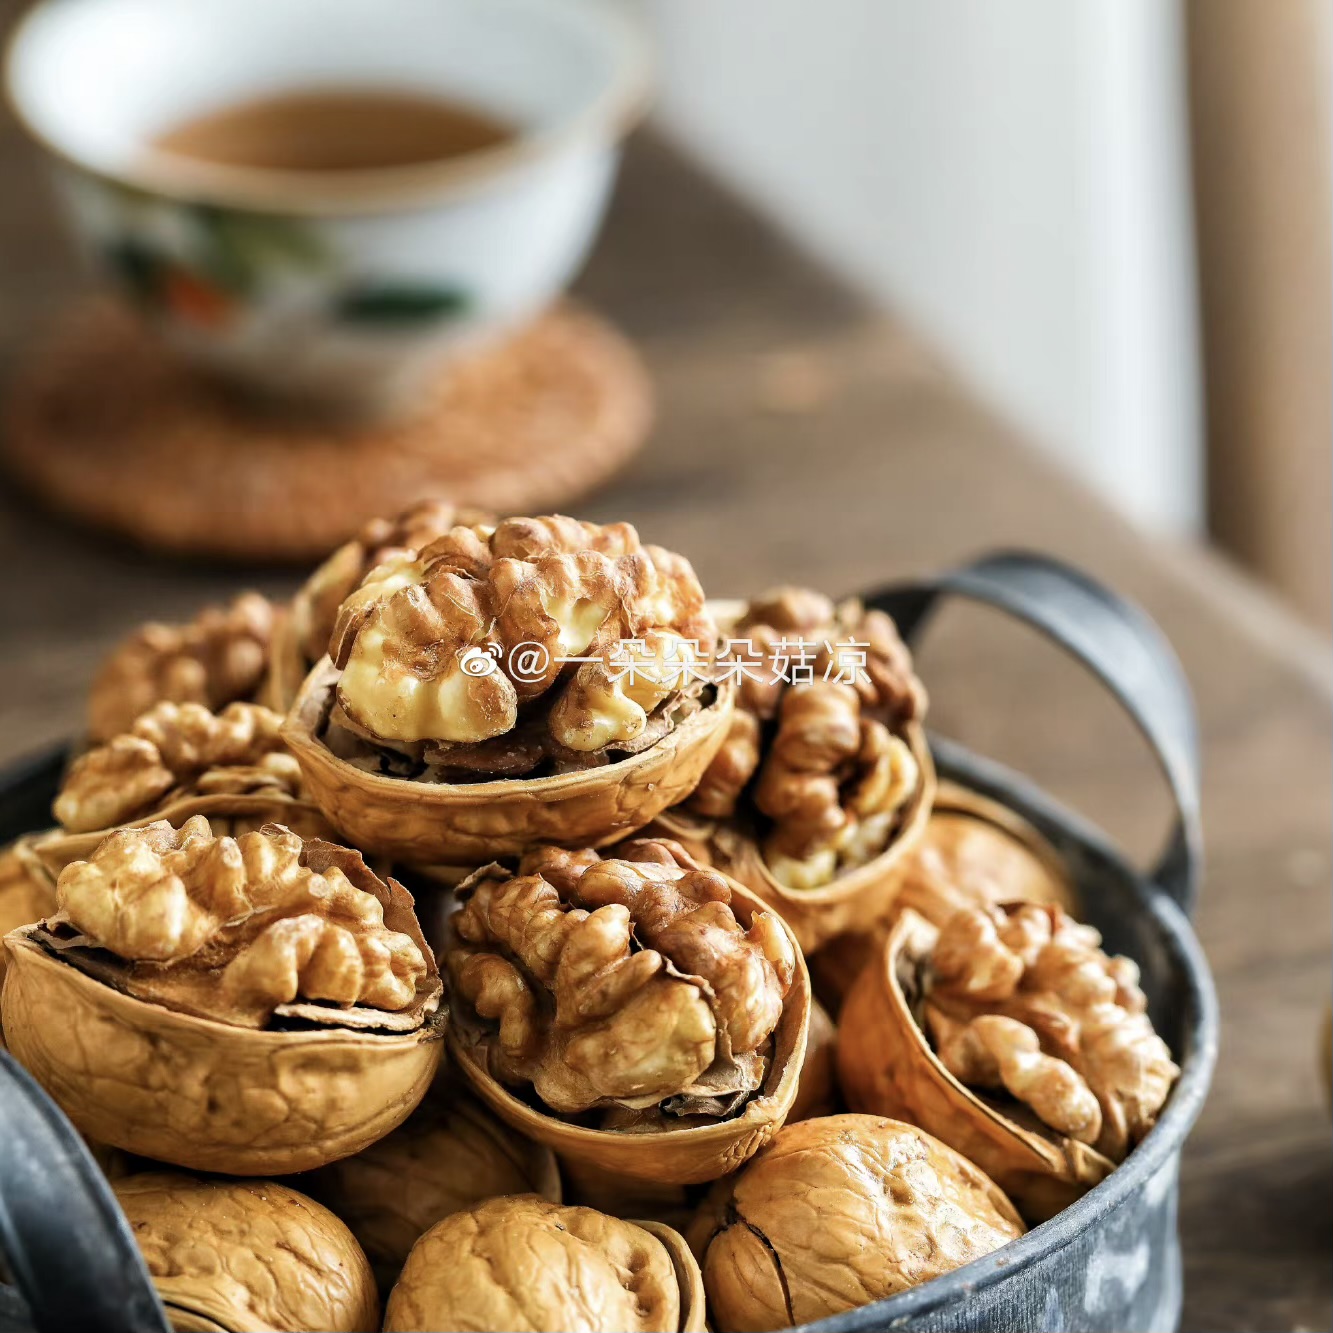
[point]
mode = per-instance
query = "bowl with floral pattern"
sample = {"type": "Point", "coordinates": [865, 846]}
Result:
{"type": "Point", "coordinates": [339, 288]}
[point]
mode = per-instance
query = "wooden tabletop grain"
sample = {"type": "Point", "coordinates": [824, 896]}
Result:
{"type": "Point", "coordinates": [802, 438]}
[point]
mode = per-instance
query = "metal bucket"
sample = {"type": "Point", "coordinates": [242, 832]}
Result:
{"type": "Point", "coordinates": [1110, 1262]}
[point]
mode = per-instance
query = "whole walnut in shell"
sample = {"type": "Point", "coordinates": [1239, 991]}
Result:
{"type": "Point", "coordinates": [241, 1004]}
{"type": "Point", "coordinates": [302, 636]}
{"type": "Point", "coordinates": [540, 679]}
{"type": "Point", "coordinates": [218, 657]}
{"type": "Point", "coordinates": [525, 1263]}
{"type": "Point", "coordinates": [449, 1154]}
{"type": "Point", "coordinates": [974, 852]}
{"type": "Point", "coordinates": [247, 1256]}
{"type": "Point", "coordinates": [650, 997]}
{"type": "Point", "coordinates": [824, 782]}
{"type": "Point", "coordinates": [839, 1212]}
{"type": "Point", "coordinates": [1011, 1035]}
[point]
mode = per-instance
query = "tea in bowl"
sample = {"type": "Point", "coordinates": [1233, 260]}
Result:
{"type": "Point", "coordinates": [322, 200]}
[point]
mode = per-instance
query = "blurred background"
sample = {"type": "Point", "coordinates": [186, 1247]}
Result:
{"type": "Point", "coordinates": [1111, 217]}
{"type": "Point", "coordinates": [1109, 220]}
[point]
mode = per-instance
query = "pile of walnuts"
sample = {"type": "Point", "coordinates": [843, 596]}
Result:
{"type": "Point", "coordinates": [440, 947]}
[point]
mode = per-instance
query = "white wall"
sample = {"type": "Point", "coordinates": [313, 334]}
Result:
{"type": "Point", "coordinates": [1009, 175]}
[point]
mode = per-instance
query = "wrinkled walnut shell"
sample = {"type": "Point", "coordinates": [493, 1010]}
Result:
{"type": "Point", "coordinates": [849, 902]}
{"type": "Point", "coordinates": [676, 1156]}
{"type": "Point", "coordinates": [974, 851]}
{"type": "Point", "coordinates": [200, 1094]}
{"type": "Point", "coordinates": [211, 1095]}
{"type": "Point", "coordinates": [247, 1255]}
{"type": "Point", "coordinates": [450, 1154]}
{"type": "Point", "coordinates": [837, 1213]}
{"type": "Point", "coordinates": [522, 1262]}
{"type": "Point", "coordinates": [460, 823]}
{"type": "Point", "coordinates": [887, 1067]}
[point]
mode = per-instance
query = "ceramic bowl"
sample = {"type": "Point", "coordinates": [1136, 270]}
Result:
{"type": "Point", "coordinates": [341, 288]}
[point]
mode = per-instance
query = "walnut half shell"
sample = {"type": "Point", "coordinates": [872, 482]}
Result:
{"type": "Point", "coordinates": [652, 1012]}
{"type": "Point", "coordinates": [526, 1263]}
{"type": "Point", "coordinates": [245, 1255]}
{"type": "Point", "coordinates": [254, 1005]}
{"type": "Point", "coordinates": [1039, 1061]}
{"type": "Point", "coordinates": [468, 823]}
{"type": "Point", "coordinates": [837, 1213]}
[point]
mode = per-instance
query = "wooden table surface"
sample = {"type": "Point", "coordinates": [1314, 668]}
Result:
{"type": "Point", "coordinates": [803, 438]}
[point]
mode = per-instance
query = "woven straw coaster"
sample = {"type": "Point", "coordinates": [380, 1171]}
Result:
{"type": "Point", "coordinates": [107, 428]}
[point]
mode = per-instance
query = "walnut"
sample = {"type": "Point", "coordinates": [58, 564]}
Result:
{"type": "Point", "coordinates": [824, 782]}
{"type": "Point", "coordinates": [449, 1155]}
{"type": "Point", "coordinates": [256, 1003]}
{"type": "Point", "coordinates": [837, 1213]}
{"type": "Point", "coordinates": [217, 658]}
{"type": "Point", "coordinates": [1023, 1000]}
{"type": "Point", "coordinates": [529, 595]}
{"type": "Point", "coordinates": [526, 1263]}
{"type": "Point", "coordinates": [541, 680]}
{"type": "Point", "coordinates": [643, 1016]}
{"type": "Point", "coordinates": [176, 749]}
{"type": "Point", "coordinates": [620, 981]}
{"type": "Point", "coordinates": [247, 1254]}
{"type": "Point", "coordinates": [247, 924]}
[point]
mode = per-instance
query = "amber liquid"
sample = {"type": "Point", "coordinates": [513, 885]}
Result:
{"type": "Point", "coordinates": [335, 130]}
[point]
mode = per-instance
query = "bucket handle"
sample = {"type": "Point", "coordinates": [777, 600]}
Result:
{"type": "Point", "coordinates": [62, 1234]}
{"type": "Point", "coordinates": [1116, 641]}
